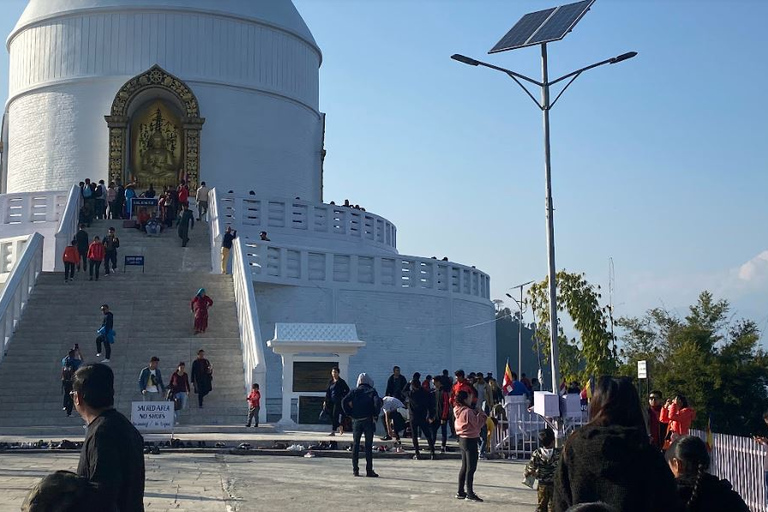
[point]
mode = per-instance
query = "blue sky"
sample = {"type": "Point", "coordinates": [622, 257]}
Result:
{"type": "Point", "coordinates": [658, 163]}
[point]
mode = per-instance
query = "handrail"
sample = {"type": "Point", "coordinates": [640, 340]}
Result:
{"type": "Point", "coordinates": [15, 295]}
{"type": "Point", "coordinates": [31, 207]}
{"type": "Point", "coordinates": [283, 264]}
{"type": "Point", "coordinates": [214, 229]}
{"type": "Point", "coordinates": [254, 364]}
{"type": "Point", "coordinates": [67, 225]}
{"type": "Point", "coordinates": [307, 218]}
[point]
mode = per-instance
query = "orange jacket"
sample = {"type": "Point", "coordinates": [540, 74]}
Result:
{"type": "Point", "coordinates": [96, 251]}
{"type": "Point", "coordinates": [679, 420]}
{"type": "Point", "coordinates": [71, 255]}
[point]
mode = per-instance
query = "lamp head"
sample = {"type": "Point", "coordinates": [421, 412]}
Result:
{"type": "Point", "coordinates": [623, 57]}
{"type": "Point", "coordinates": [465, 60]}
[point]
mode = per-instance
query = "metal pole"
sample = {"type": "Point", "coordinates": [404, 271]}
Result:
{"type": "Point", "coordinates": [554, 354]}
{"type": "Point", "coordinates": [520, 338]}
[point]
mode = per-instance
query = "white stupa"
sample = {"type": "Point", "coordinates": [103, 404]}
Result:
{"type": "Point", "coordinates": [238, 80]}
{"type": "Point", "coordinates": [226, 91]}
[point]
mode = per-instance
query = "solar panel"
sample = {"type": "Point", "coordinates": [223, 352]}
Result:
{"type": "Point", "coordinates": [522, 31]}
{"type": "Point", "coordinates": [543, 26]}
{"type": "Point", "coordinates": [561, 22]}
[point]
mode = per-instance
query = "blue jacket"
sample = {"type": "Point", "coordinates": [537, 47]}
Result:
{"type": "Point", "coordinates": [144, 379]}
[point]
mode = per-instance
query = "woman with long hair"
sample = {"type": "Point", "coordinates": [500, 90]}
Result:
{"type": "Point", "coordinates": [610, 459]}
{"type": "Point", "coordinates": [469, 421]}
{"type": "Point", "coordinates": [688, 459]}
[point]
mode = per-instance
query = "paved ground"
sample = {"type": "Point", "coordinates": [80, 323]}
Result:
{"type": "Point", "coordinates": [232, 483]}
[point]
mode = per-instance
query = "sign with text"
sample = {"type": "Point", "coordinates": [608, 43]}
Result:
{"type": "Point", "coordinates": [642, 369]}
{"type": "Point", "coordinates": [152, 415]}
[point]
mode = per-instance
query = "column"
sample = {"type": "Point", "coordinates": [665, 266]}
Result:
{"type": "Point", "coordinates": [286, 420]}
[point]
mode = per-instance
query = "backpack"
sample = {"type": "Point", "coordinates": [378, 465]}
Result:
{"type": "Point", "coordinates": [99, 191]}
{"type": "Point", "coordinates": [67, 373]}
{"type": "Point", "coordinates": [87, 192]}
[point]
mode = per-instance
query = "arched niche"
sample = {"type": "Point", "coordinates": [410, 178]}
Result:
{"type": "Point", "coordinates": [155, 84]}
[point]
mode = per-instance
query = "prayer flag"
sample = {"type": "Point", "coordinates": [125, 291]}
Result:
{"type": "Point", "coordinates": [506, 384]}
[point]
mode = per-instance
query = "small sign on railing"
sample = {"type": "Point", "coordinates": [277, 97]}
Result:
{"type": "Point", "coordinates": [135, 261]}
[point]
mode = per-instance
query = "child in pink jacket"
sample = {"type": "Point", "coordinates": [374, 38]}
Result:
{"type": "Point", "coordinates": [468, 423]}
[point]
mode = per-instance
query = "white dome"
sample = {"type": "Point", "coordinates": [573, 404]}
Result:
{"type": "Point", "coordinates": [277, 13]}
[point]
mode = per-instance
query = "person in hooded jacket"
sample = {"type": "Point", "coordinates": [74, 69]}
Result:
{"type": "Point", "coordinates": [699, 490]}
{"type": "Point", "coordinates": [610, 459]}
{"type": "Point", "coordinates": [363, 405]}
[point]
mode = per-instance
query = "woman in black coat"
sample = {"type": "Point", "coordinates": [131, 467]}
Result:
{"type": "Point", "coordinates": [611, 459]}
{"type": "Point", "coordinates": [337, 390]}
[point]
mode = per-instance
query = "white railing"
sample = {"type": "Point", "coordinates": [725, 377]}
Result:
{"type": "Point", "coordinates": [68, 226]}
{"type": "Point", "coordinates": [517, 436]}
{"type": "Point", "coordinates": [741, 461]}
{"type": "Point", "coordinates": [282, 264]}
{"type": "Point", "coordinates": [14, 297]}
{"type": "Point", "coordinates": [254, 364]}
{"type": "Point", "coordinates": [32, 207]}
{"type": "Point", "coordinates": [315, 219]}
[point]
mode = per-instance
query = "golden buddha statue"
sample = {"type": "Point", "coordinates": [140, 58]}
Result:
{"type": "Point", "coordinates": [157, 163]}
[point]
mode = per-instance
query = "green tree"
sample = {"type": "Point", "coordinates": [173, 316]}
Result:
{"type": "Point", "coordinates": [716, 363]}
{"type": "Point", "coordinates": [591, 352]}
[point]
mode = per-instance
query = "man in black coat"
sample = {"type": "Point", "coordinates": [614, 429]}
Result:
{"type": "Point", "coordinates": [396, 385]}
{"type": "Point", "coordinates": [82, 239]}
{"type": "Point", "coordinates": [421, 411]}
{"type": "Point", "coordinates": [363, 405]}
{"type": "Point", "coordinates": [112, 454]}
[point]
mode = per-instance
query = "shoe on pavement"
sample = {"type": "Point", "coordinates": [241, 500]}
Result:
{"type": "Point", "coordinates": [461, 495]}
{"type": "Point", "coordinates": [416, 457]}
{"type": "Point", "coordinates": [386, 438]}
{"type": "Point", "coordinates": [371, 474]}
{"type": "Point", "coordinates": [98, 354]}
{"type": "Point", "coordinates": [332, 434]}
{"type": "Point", "coordinates": [355, 472]}
{"type": "Point", "coordinates": [105, 360]}
{"type": "Point", "coordinates": [473, 497]}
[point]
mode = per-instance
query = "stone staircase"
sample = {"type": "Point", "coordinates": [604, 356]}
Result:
{"type": "Point", "coordinates": [152, 318]}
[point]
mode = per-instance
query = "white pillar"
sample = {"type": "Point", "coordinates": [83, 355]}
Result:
{"type": "Point", "coordinates": [287, 390]}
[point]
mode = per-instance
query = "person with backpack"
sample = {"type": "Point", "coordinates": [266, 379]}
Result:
{"type": "Point", "coordinates": [69, 366]}
{"type": "Point", "coordinates": [363, 405]}
{"type": "Point", "coordinates": [71, 258]}
{"type": "Point", "coordinates": [111, 243]}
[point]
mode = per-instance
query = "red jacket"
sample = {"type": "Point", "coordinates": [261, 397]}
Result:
{"type": "Point", "coordinates": [183, 194]}
{"type": "Point", "coordinates": [679, 420]}
{"type": "Point", "coordinates": [96, 251]}
{"type": "Point", "coordinates": [71, 255]}
{"type": "Point", "coordinates": [463, 386]}
{"type": "Point", "coordinates": [254, 399]}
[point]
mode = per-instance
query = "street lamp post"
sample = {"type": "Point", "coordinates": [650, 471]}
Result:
{"type": "Point", "coordinates": [546, 104]}
{"type": "Point", "coordinates": [519, 328]}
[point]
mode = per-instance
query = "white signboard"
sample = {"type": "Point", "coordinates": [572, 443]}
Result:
{"type": "Point", "coordinates": [152, 415]}
{"type": "Point", "coordinates": [642, 370]}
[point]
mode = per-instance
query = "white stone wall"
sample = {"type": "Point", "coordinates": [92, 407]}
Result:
{"type": "Point", "coordinates": [418, 332]}
{"type": "Point", "coordinates": [257, 87]}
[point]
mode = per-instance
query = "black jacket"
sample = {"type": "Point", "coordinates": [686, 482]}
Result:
{"type": "Point", "coordinates": [336, 391]}
{"type": "Point", "coordinates": [81, 237]}
{"type": "Point", "coordinates": [713, 495]}
{"type": "Point", "coordinates": [616, 465]}
{"type": "Point", "coordinates": [421, 406]}
{"type": "Point", "coordinates": [396, 386]}
{"type": "Point", "coordinates": [362, 402]}
{"type": "Point", "coordinates": [112, 456]}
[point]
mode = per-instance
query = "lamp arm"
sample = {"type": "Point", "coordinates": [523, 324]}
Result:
{"type": "Point", "coordinates": [580, 71]}
{"type": "Point", "coordinates": [551, 105]}
{"type": "Point", "coordinates": [524, 88]}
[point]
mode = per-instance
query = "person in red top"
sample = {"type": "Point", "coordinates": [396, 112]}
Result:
{"type": "Point", "coordinates": [96, 253]}
{"type": "Point", "coordinates": [183, 193]}
{"type": "Point", "coordinates": [443, 411]}
{"type": "Point", "coordinates": [71, 258]}
{"type": "Point", "coordinates": [462, 384]}
{"type": "Point", "coordinates": [254, 404]}
{"type": "Point", "coordinates": [679, 416]}
{"type": "Point", "coordinates": [199, 306]}
{"type": "Point", "coordinates": [657, 428]}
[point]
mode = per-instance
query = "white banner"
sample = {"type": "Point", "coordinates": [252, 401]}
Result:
{"type": "Point", "coordinates": [152, 415]}
{"type": "Point", "coordinates": [642, 369]}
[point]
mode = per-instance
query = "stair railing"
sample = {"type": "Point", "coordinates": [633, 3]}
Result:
{"type": "Point", "coordinates": [67, 226]}
{"type": "Point", "coordinates": [254, 365]}
{"type": "Point", "coordinates": [21, 280]}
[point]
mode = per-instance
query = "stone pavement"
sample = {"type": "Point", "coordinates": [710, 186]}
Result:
{"type": "Point", "coordinates": [233, 483]}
